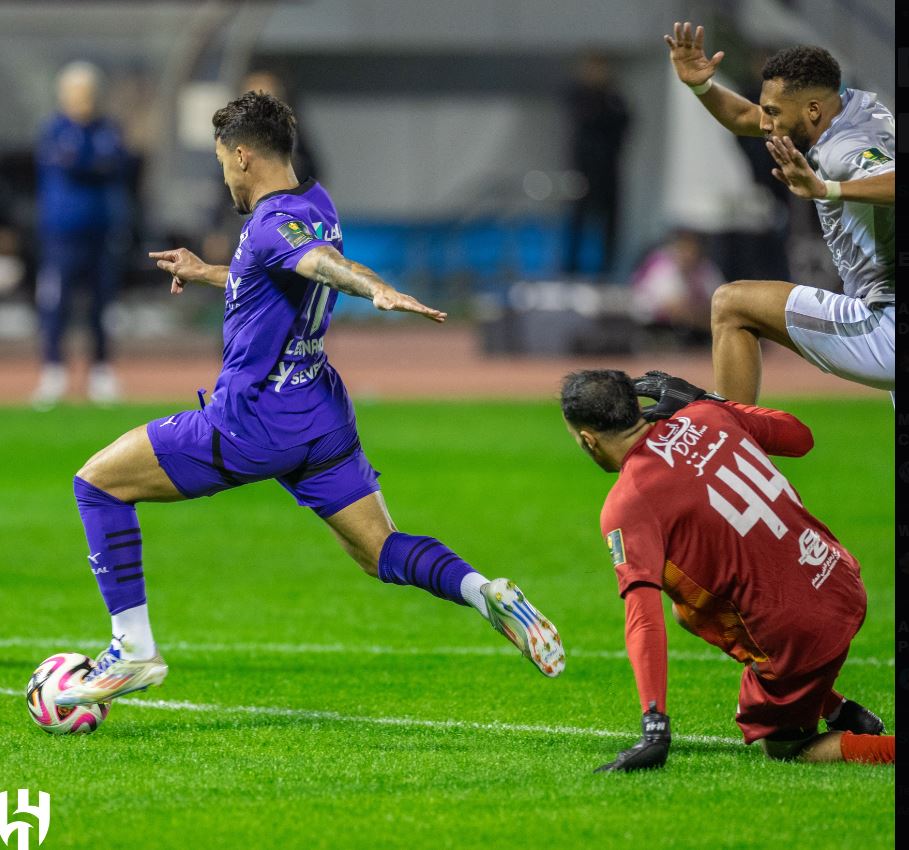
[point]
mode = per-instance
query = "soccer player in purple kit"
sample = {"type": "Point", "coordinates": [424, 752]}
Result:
{"type": "Point", "coordinates": [279, 410]}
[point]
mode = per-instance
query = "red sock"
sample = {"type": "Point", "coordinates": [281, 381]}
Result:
{"type": "Point", "coordinates": [870, 749]}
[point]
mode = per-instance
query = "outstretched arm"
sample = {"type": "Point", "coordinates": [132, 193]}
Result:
{"type": "Point", "coordinates": [328, 266]}
{"type": "Point", "coordinates": [185, 267]}
{"type": "Point", "coordinates": [686, 50]}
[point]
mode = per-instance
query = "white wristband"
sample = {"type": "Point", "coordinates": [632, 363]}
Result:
{"type": "Point", "coordinates": [834, 190]}
{"type": "Point", "coordinates": [702, 88]}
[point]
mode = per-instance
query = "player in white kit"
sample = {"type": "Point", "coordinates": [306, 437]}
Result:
{"type": "Point", "coordinates": [837, 148]}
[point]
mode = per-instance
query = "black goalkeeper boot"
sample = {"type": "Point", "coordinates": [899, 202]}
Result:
{"type": "Point", "coordinates": [857, 719]}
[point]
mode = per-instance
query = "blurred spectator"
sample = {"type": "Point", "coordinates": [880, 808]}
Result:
{"type": "Point", "coordinates": [599, 119]}
{"type": "Point", "coordinates": [673, 285]}
{"type": "Point", "coordinates": [83, 224]}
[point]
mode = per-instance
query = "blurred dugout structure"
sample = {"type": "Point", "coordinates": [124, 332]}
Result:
{"type": "Point", "coordinates": [440, 131]}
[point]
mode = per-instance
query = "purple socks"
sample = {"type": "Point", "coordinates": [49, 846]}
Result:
{"type": "Point", "coordinates": [423, 562]}
{"type": "Point", "coordinates": [115, 546]}
{"type": "Point", "coordinates": [115, 554]}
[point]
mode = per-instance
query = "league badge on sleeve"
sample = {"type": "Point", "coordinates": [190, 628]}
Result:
{"type": "Point", "coordinates": [296, 233]}
{"type": "Point", "coordinates": [872, 158]}
{"type": "Point", "coordinates": [616, 546]}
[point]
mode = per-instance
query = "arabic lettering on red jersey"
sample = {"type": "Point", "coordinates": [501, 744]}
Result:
{"type": "Point", "coordinates": [702, 512]}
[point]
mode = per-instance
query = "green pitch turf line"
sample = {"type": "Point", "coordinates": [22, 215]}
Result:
{"type": "Point", "coordinates": [365, 720]}
{"type": "Point", "coordinates": [374, 649]}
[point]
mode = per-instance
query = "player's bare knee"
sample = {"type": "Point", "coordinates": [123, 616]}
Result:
{"type": "Point", "coordinates": [778, 751]}
{"type": "Point", "coordinates": [725, 304]}
{"type": "Point", "coordinates": [91, 471]}
{"type": "Point", "coordinates": [785, 748]}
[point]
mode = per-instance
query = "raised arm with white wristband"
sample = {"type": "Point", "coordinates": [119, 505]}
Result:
{"type": "Point", "coordinates": [686, 50]}
{"type": "Point", "coordinates": [831, 145]}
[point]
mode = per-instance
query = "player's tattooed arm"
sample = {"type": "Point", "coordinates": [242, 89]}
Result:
{"type": "Point", "coordinates": [185, 267]}
{"type": "Point", "coordinates": [692, 66]}
{"type": "Point", "coordinates": [328, 266]}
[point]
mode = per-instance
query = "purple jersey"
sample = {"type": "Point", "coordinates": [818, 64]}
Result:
{"type": "Point", "coordinates": [276, 388]}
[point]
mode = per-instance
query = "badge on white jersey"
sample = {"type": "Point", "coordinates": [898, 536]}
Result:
{"type": "Point", "coordinates": [873, 158]}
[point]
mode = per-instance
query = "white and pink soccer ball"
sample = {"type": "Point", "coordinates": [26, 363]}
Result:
{"type": "Point", "coordinates": [53, 675]}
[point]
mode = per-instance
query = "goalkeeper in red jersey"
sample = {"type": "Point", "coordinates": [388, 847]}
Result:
{"type": "Point", "coordinates": [699, 511]}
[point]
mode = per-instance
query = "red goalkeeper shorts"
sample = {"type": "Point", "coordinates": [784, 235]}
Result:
{"type": "Point", "coordinates": [794, 703]}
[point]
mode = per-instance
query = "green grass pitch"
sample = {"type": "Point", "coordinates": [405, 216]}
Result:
{"type": "Point", "coordinates": [309, 706]}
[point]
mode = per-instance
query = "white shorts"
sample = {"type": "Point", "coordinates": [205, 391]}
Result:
{"type": "Point", "coordinates": [844, 336]}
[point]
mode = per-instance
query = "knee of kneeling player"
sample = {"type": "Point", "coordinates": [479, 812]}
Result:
{"type": "Point", "coordinates": [726, 303]}
{"type": "Point", "coordinates": [785, 748]}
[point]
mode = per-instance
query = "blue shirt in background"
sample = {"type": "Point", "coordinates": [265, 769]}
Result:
{"type": "Point", "coordinates": [82, 173]}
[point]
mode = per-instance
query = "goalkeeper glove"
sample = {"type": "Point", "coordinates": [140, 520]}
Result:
{"type": "Point", "coordinates": [650, 751]}
{"type": "Point", "coordinates": [670, 393]}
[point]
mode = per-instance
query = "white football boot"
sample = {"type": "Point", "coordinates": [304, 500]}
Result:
{"type": "Point", "coordinates": [113, 676]}
{"type": "Point", "coordinates": [512, 614]}
{"type": "Point", "coordinates": [103, 386]}
{"type": "Point", "coordinates": [52, 386]}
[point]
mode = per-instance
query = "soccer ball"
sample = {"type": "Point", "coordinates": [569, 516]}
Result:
{"type": "Point", "coordinates": [53, 675]}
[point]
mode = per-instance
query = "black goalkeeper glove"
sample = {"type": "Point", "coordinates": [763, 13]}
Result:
{"type": "Point", "coordinates": [650, 751]}
{"type": "Point", "coordinates": [670, 393]}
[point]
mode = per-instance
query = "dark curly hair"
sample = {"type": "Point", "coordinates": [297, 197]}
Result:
{"type": "Point", "coordinates": [602, 399]}
{"type": "Point", "coordinates": [803, 67]}
{"type": "Point", "coordinates": [259, 120]}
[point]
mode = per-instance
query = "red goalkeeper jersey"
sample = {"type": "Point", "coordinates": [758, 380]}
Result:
{"type": "Point", "coordinates": [700, 511]}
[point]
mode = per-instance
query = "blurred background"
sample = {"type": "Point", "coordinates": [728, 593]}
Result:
{"type": "Point", "coordinates": [533, 168]}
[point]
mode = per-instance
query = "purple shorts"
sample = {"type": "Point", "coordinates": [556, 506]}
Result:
{"type": "Point", "coordinates": [327, 474]}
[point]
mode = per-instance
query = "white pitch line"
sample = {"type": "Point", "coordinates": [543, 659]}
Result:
{"type": "Point", "coordinates": [404, 722]}
{"type": "Point", "coordinates": [371, 649]}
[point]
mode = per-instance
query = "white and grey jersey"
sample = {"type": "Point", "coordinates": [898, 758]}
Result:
{"type": "Point", "coordinates": [860, 142]}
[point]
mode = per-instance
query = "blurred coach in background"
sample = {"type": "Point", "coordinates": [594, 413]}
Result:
{"type": "Point", "coordinates": [82, 213]}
